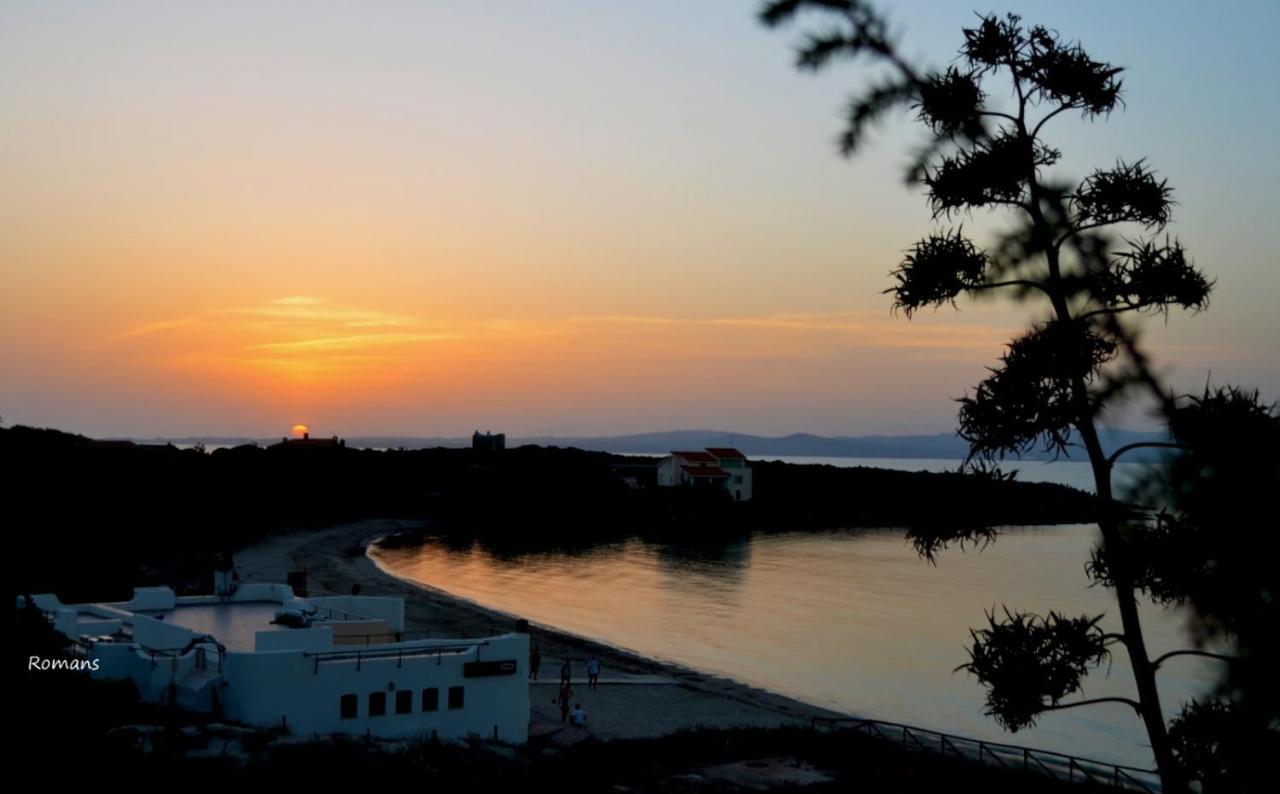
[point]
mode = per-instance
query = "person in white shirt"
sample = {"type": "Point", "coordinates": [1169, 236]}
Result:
{"type": "Point", "coordinates": [593, 673]}
{"type": "Point", "coordinates": [578, 717]}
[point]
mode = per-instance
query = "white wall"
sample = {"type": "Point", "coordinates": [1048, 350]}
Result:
{"type": "Point", "coordinates": [152, 599]}
{"type": "Point", "coordinates": [272, 689]}
{"type": "Point", "coordinates": [316, 638]}
{"type": "Point", "coordinates": [378, 607]}
{"type": "Point", "coordinates": [94, 627]}
{"type": "Point", "coordinates": [669, 471]}
{"type": "Point", "coordinates": [745, 486]}
{"type": "Point", "coordinates": [151, 633]}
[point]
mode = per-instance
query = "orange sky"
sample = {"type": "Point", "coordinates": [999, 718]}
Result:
{"type": "Point", "coordinates": [228, 219]}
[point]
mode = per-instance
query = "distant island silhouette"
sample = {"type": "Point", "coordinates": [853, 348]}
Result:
{"type": "Point", "coordinates": [937, 445]}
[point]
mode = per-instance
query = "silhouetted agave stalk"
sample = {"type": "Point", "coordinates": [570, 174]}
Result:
{"type": "Point", "coordinates": [1053, 381]}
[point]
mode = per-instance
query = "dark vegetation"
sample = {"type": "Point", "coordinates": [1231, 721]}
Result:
{"type": "Point", "coordinates": [93, 519]}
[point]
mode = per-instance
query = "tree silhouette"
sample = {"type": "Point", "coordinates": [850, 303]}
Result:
{"type": "Point", "coordinates": [1208, 543]}
{"type": "Point", "coordinates": [1093, 253]}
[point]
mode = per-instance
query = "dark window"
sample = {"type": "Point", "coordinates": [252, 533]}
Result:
{"type": "Point", "coordinates": [377, 704]}
{"type": "Point", "coordinates": [404, 701]}
{"type": "Point", "coordinates": [349, 707]}
{"type": "Point", "coordinates": [455, 697]}
{"type": "Point", "coordinates": [431, 699]}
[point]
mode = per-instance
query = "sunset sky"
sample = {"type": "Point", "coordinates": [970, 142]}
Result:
{"type": "Point", "coordinates": [420, 218]}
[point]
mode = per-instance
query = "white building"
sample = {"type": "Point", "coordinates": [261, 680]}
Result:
{"type": "Point", "coordinates": [340, 664]}
{"type": "Point", "coordinates": [715, 467]}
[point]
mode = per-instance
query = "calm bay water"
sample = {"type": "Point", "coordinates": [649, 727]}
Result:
{"type": "Point", "coordinates": [851, 620]}
{"type": "Point", "coordinates": [1075, 473]}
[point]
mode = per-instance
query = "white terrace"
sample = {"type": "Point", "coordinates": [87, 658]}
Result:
{"type": "Point", "coordinates": [337, 664]}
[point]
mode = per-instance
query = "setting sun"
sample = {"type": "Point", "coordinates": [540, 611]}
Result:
{"type": "Point", "coordinates": [300, 430]}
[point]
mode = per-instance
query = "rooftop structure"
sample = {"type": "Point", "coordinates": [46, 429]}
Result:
{"type": "Point", "coordinates": [488, 442]}
{"type": "Point", "coordinates": [307, 442]}
{"type": "Point", "coordinates": [319, 665]}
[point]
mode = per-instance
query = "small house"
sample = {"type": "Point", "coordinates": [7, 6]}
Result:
{"type": "Point", "coordinates": [714, 467]}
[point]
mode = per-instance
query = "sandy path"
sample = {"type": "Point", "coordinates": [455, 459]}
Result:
{"type": "Point", "coordinates": [638, 697]}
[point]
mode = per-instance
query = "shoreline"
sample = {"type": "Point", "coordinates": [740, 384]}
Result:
{"type": "Point", "coordinates": [638, 697]}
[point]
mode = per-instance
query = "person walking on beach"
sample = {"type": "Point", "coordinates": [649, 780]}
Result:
{"type": "Point", "coordinates": [535, 661]}
{"type": "Point", "coordinates": [566, 695]}
{"type": "Point", "coordinates": [566, 672]}
{"type": "Point", "coordinates": [593, 673]}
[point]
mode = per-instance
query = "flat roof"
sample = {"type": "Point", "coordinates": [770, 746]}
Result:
{"type": "Point", "coordinates": [234, 624]}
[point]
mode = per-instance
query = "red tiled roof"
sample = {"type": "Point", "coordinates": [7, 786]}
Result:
{"type": "Point", "coordinates": [700, 457]}
{"type": "Point", "coordinates": [726, 452]}
{"type": "Point", "coordinates": [705, 471]}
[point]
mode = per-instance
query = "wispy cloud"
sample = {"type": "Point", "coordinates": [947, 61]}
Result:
{"type": "Point", "coordinates": [295, 311]}
{"type": "Point", "coordinates": [354, 342]}
{"type": "Point", "coordinates": [869, 328]}
{"type": "Point", "coordinates": [297, 334]}
{"type": "Point", "coordinates": [159, 325]}
{"type": "Point", "coordinates": [308, 336]}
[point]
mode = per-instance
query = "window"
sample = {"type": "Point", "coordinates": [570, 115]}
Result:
{"type": "Point", "coordinates": [404, 701]}
{"type": "Point", "coordinates": [737, 478]}
{"type": "Point", "coordinates": [431, 699]}
{"type": "Point", "coordinates": [455, 697]}
{"type": "Point", "coordinates": [348, 707]}
{"type": "Point", "coordinates": [377, 704]}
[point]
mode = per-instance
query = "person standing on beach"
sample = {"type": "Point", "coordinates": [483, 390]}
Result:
{"type": "Point", "coordinates": [566, 672]}
{"type": "Point", "coordinates": [593, 673]}
{"type": "Point", "coordinates": [535, 661]}
{"type": "Point", "coordinates": [566, 695]}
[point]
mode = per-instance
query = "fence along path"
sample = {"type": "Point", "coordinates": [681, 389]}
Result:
{"type": "Point", "coordinates": [1057, 765]}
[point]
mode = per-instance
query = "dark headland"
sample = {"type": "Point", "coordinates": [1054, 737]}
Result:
{"type": "Point", "coordinates": [127, 514]}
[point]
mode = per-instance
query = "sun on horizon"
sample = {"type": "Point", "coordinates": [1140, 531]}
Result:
{"type": "Point", "coordinates": [300, 430]}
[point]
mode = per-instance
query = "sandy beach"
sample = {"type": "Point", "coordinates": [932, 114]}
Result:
{"type": "Point", "coordinates": [637, 697]}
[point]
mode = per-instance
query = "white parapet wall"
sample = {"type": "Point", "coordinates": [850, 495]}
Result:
{"type": "Point", "coordinates": [383, 608]}
{"type": "Point", "coordinates": [397, 690]}
{"type": "Point", "coordinates": [158, 635]}
{"type": "Point", "coordinates": [316, 639]}
{"type": "Point", "coordinates": [150, 599]}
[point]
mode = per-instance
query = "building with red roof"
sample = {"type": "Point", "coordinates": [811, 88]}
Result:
{"type": "Point", "coordinates": [714, 467]}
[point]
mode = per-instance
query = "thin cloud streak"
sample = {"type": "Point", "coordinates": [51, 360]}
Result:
{"type": "Point", "coordinates": [874, 332]}
{"type": "Point", "coordinates": [316, 320]}
{"type": "Point", "coordinates": [355, 342]}
{"type": "Point", "coordinates": [160, 325]}
{"type": "Point", "coordinates": [293, 310]}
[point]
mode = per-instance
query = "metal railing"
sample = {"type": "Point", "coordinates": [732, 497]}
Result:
{"type": "Point", "coordinates": [399, 653]}
{"type": "Point", "coordinates": [392, 637]}
{"type": "Point", "coordinates": [1069, 768]}
{"type": "Point", "coordinates": [331, 613]}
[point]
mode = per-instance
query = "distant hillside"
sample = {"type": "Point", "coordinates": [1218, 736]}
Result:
{"type": "Point", "coordinates": [939, 445]}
